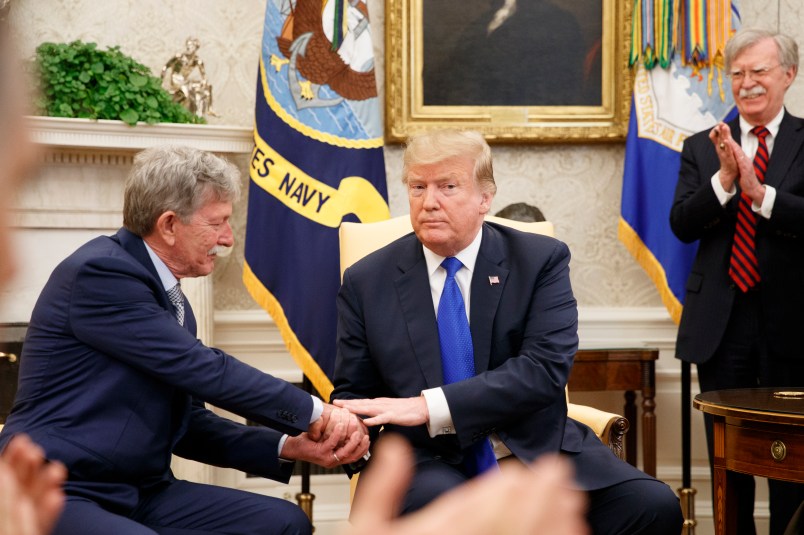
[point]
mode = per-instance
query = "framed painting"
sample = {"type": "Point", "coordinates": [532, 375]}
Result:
{"type": "Point", "coordinates": [519, 71]}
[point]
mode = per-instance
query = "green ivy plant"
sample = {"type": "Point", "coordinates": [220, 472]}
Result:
{"type": "Point", "coordinates": [80, 80]}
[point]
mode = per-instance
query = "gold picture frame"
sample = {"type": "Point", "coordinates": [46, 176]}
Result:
{"type": "Point", "coordinates": [605, 119]}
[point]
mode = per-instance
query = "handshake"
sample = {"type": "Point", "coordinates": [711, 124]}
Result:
{"type": "Point", "coordinates": [337, 437]}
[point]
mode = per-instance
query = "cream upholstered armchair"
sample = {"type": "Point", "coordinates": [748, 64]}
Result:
{"type": "Point", "coordinates": [359, 239]}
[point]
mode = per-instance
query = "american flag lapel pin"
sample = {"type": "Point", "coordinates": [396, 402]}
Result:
{"type": "Point", "coordinates": [494, 279]}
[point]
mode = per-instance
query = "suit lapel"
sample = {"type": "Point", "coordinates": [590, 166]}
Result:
{"type": "Point", "coordinates": [134, 246]}
{"type": "Point", "coordinates": [416, 302]}
{"type": "Point", "coordinates": [785, 148]}
{"type": "Point", "coordinates": [488, 281]}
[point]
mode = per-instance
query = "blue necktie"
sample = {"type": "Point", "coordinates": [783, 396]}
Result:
{"type": "Point", "coordinates": [457, 356]}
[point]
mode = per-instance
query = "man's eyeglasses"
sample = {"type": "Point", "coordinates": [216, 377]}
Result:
{"type": "Point", "coordinates": [754, 74]}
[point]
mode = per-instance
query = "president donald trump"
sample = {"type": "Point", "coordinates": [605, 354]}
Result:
{"type": "Point", "coordinates": [461, 336]}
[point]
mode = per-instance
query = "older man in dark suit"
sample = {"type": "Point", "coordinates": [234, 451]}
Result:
{"type": "Point", "coordinates": [464, 332]}
{"type": "Point", "coordinates": [113, 379]}
{"type": "Point", "coordinates": [741, 194]}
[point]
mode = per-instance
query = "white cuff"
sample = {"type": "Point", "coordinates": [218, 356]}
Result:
{"type": "Point", "coordinates": [722, 195]}
{"type": "Point", "coordinates": [440, 422]}
{"type": "Point", "coordinates": [767, 203]}
{"type": "Point", "coordinates": [318, 409]}
{"type": "Point", "coordinates": [281, 445]}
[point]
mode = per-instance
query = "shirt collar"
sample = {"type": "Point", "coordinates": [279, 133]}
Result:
{"type": "Point", "coordinates": [772, 126]}
{"type": "Point", "coordinates": [468, 256]}
{"type": "Point", "coordinates": [165, 276]}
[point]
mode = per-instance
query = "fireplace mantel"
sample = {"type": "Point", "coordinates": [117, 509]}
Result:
{"type": "Point", "coordinates": [103, 135]}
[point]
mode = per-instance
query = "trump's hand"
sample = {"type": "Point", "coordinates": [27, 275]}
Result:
{"type": "Point", "coordinates": [398, 411]}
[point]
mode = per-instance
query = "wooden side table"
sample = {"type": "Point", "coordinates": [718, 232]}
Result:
{"type": "Point", "coordinates": [757, 431]}
{"type": "Point", "coordinates": [628, 370]}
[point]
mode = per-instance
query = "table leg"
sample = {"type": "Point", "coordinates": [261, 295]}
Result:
{"type": "Point", "coordinates": [724, 498]}
{"type": "Point", "coordinates": [725, 501]}
{"type": "Point", "coordinates": [720, 501]}
{"type": "Point", "coordinates": [648, 419]}
{"type": "Point", "coordinates": [631, 437]}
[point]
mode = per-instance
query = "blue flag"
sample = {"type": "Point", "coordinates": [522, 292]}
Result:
{"type": "Point", "coordinates": [669, 104]}
{"type": "Point", "coordinates": [317, 161]}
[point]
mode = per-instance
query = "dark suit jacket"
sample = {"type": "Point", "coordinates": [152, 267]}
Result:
{"type": "Point", "coordinates": [111, 385]}
{"type": "Point", "coordinates": [697, 215]}
{"type": "Point", "coordinates": [524, 333]}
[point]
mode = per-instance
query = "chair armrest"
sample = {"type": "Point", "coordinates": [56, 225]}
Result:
{"type": "Point", "coordinates": [610, 428]}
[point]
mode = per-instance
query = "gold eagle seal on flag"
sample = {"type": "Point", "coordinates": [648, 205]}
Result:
{"type": "Point", "coordinates": [323, 45]}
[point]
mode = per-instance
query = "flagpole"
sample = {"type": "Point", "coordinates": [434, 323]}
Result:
{"type": "Point", "coordinates": [305, 497]}
{"type": "Point", "coordinates": [686, 492]}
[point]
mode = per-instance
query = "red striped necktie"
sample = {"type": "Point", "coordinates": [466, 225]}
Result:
{"type": "Point", "coordinates": [744, 268]}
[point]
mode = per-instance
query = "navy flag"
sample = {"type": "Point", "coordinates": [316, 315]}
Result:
{"type": "Point", "coordinates": [317, 161]}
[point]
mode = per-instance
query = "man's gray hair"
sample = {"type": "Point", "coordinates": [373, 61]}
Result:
{"type": "Point", "coordinates": [748, 37]}
{"type": "Point", "coordinates": [439, 145]}
{"type": "Point", "coordinates": [177, 178]}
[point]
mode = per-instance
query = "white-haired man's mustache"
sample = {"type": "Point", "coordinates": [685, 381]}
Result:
{"type": "Point", "coordinates": [220, 250]}
{"type": "Point", "coordinates": [753, 92]}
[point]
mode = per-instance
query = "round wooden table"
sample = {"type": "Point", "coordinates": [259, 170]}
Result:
{"type": "Point", "coordinates": [757, 431]}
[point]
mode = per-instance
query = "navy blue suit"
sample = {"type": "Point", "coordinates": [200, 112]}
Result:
{"type": "Point", "coordinates": [111, 385]}
{"type": "Point", "coordinates": [524, 333]}
{"type": "Point", "coordinates": [754, 339]}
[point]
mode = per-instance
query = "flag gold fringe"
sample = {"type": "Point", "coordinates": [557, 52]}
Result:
{"type": "Point", "coordinates": [300, 354]}
{"type": "Point", "coordinates": [652, 267]}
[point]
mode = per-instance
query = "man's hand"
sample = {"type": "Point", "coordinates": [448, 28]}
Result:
{"type": "Point", "coordinates": [317, 428]}
{"type": "Point", "coordinates": [724, 144]}
{"type": "Point", "coordinates": [749, 182]}
{"type": "Point", "coordinates": [323, 428]}
{"type": "Point", "coordinates": [336, 449]}
{"type": "Point", "coordinates": [405, 411]}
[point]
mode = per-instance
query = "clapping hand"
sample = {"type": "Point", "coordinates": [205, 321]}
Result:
{"type": "Point", "coordinates": [725, 145]}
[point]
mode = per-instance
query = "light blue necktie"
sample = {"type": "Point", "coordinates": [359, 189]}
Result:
{"type": "Point", "coordinates": [457, 356]}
